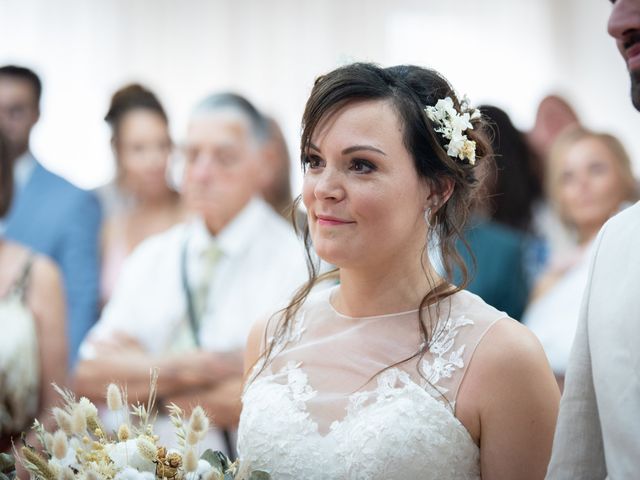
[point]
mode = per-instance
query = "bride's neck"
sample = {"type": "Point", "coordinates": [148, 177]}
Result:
{"type": "Point", "coordinates": [379, 291]}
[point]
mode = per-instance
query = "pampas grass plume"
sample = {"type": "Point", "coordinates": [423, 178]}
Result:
{"type": "Point", "coordinates": [147, 448]}
{"type": "Point", "coordinates": [114, 397]}
{"type": "Point", "coordinates": [63, 419]}
{"type": "Point", "coordinates": [78, 421]}
{"type": "Point", "coordinates": [59, 445]}
{"type": "Point", "coordinates": [123, 432]}
{"type": "Point", "coordinates": [190, 460]}
{"type": "Point", "coordinates": [192, 437]}
{"type": "Point", "coordinates": [198, 423]}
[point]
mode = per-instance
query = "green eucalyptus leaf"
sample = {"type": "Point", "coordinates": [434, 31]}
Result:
{"type": "Point", "coordinates": [214, 460]}
{"type": "Point", "coordinates": [259, 475]}
{"type": "Point", "coordinates": [3, 476]}
{"type": "Point", "coordinates": [224, 461]}
{"type": "Point", "coordinates": [228, 476]}
{"type": "Point", "coordinates": [7, 463]}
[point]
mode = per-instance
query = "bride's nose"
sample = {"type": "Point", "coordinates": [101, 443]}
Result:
{"type": "Point", "coordinates": [329, 185]}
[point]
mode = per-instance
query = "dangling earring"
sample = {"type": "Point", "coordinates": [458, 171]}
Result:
{"type": "Point", "coordinates": [427, 216]}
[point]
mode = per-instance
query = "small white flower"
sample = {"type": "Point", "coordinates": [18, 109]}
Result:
{"type": "Point", "coordinates": [132, 474]}
{"type": "Point", "coordinates": [451, 124]}
{"type": "Point", "coordinates": [201, 471]}
{"type": "Point", "coordinates": [126, 454]}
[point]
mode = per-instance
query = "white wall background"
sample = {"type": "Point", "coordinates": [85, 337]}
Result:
{"type": "Point", "coordinates": [510, 53]}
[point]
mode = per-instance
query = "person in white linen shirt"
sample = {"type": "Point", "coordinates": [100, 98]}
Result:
{"type": "Point", "coordinates": [599, 420]}
{"type": "Point", "coordinates": [247, 258]}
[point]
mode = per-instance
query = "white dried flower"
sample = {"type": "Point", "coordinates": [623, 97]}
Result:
{"type": "Point", "coordinates": [59, 445]}
{"type": "Point", "coordinates": [452, 124]}
{"type": "Point", "coordinates": [192, 437]}
{"type": "Point", "coordinates": [126, 453]}
{"type": "Point", "coordinates": [67, 474]}
{"type": "Point", "coordinates": [198, 422]}
{"type": "Point", "coordinates": [204, 472]}
{"type": "Point", "coordinates": [90, 410]}
{"type": "Point", "coordinates": [147, 448]}
{"type": "Point", "coordinates": [78, 421]}
{"type": "Point", "coordinates": [133, 474]}
{"type": "Point", "coordinates": [91, 475]}
{"type": "Point", "coordinates": [190, 460]}
{"type": "Point", "coordinates": [63, 419]}
{"type": "Point", "coordinates": [48, 441]}
{"type": "Point", "coordinates": [114, 397]}
{"type": "Point", "coordinates": [123, 432]}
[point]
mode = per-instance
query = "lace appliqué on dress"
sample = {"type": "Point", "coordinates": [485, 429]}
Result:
{"type": "Point", "coordinates": [446, 358]}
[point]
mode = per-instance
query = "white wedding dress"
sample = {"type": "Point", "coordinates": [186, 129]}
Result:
{"type": "Point", "coordinates": [334, 403]}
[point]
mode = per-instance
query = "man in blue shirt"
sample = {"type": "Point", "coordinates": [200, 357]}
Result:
{"type": "Point", "coordinates": [49, 214]}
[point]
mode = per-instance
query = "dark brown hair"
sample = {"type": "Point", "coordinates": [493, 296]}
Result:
{"type": "Point", "coordinates": [128, 98]}
{"type": "Point", "coordinates": [22, 73]}
{"type": "Point", "coordinates": [514, 186]}
{"type": "Point", "coordinates": [409, 89]}
{"type": "Point", "coordinates": [6, 178]}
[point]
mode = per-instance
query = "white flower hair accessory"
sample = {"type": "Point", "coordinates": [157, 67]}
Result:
{"type": "Point", "coordinates": [451, 125]}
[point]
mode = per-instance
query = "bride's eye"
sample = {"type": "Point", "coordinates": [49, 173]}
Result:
{"type": "Point", "coordinates": [359, 165]}
{"type": "Point", "coordinates": [312, 162]}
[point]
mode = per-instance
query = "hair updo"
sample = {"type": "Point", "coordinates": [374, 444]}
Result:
{"type": "Point", "coordinates": [410, 89]}
{"type": "Point", "coordinates": [128, 98]}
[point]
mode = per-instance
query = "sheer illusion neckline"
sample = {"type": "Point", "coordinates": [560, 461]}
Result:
{"type": "Point", "coordinates": [344, 316]}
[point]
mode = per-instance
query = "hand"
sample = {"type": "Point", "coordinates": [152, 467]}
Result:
{"type": "Point", "coordinates": [118, 343]}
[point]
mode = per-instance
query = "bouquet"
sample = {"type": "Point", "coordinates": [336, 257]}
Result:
{"type": "Point", "coordinates": [81, 448]}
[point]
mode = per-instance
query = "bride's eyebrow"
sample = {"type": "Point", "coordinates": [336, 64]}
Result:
{"type": "Point", "coordinates": [356, 148]}
{"type": "Point", "coordinates": [352, 149]}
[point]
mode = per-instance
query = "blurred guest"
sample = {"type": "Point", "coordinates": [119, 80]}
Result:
{"type": "Point", "coordinates": [555, 115]}
{"type": "Point", "coordinates": [140, 202]}
{"type": "Point", "coordinates": [495, 264]}
{"type": "Point", "coordinates": [33, 348]}
{"type": "Point", "coordinates": [49, 215]}
{"type": "Point", "coordinates": [513, 189]}
{"type": "Point", "coordinates": [187, 297]}
{"type": "Point", "coordinates": [277, 191]}
{"type": "Point", "coordinates": [496, 250]}
{"type": "Point", "coordinates": [590, 180]}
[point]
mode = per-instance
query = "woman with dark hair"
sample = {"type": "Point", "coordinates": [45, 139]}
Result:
{"type": "Point", "coordinates": [140, 203]}
{"type": "Point", "coordinates": [33, 347]}
{"type": "Point", "coordinates": [500, 235]}
{"type": "Point", "coordinates": [395, 373]}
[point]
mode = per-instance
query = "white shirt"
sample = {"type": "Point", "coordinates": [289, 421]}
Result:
{"type": "Point", "coordinates": [553, 318]}
{"type": "Point", "coordinates": [23, 168]}
{"type": "Point", "coordinates": [261, 266]}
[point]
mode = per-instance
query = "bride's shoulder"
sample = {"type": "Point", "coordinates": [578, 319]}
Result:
{"type": "Point", "coordinates": [505, 348]}
{"type": "Point", "coordinates": [504, 342]}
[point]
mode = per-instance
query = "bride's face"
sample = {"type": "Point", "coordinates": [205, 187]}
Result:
{"type": "Point", "coordinates": [364, 198]}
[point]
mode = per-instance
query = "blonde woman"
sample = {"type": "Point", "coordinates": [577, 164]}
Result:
{"type": "Point", "coordinates": [589, 180]}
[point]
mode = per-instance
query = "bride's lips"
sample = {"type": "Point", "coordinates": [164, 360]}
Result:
{"type": "Point", "coordinates": [328, 220]}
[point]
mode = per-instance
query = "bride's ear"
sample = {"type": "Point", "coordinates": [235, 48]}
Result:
{"type": "Point", "coordinates": [439, 193]}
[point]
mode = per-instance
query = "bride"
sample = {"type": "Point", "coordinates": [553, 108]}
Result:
{"type": "Point", "coordinates": [395, 373]}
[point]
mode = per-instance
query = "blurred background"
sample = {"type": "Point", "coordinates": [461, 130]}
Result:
{"type": "Point", "coordinates": [506, 53]}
